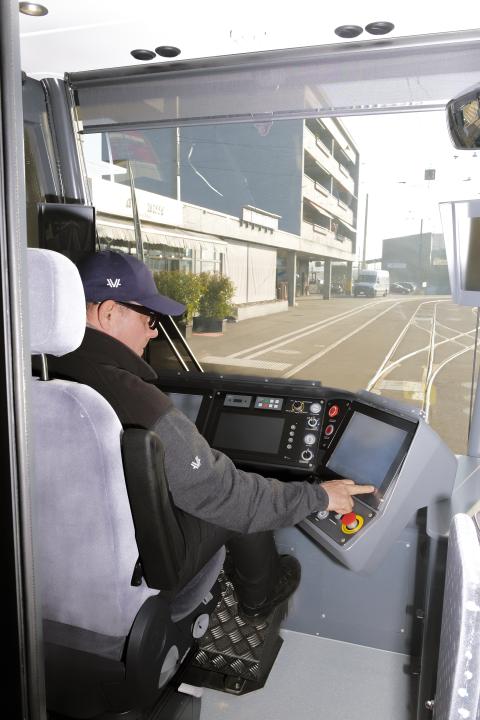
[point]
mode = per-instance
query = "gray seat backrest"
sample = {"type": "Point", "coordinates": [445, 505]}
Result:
{"type": "Point", "coordinates": [458, 677]}
{"type": "Point", "coordinates": [86, 548]}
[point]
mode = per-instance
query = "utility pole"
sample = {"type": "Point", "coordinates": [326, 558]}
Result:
{"type": "Point", "coordinates": [364, 251]}
{"type": "Point", "coordinates": [137, 227]}
{"type": "Point", "coordinates": [136, 218]}
{"type": "Point", "coordinates": [178, 163]}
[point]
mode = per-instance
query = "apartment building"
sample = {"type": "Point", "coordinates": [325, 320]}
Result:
{"type": "Point", "coordinates": [258, 202]}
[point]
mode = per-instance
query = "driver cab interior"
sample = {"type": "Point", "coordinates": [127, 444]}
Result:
{"type": "Point", "coordinates": [119, 634]}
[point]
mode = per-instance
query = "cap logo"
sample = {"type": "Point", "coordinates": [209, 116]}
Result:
{"type": "Point", "coordinates": [113, 283]}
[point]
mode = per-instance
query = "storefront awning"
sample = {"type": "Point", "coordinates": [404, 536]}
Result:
{"type": "Point", "coordinates": [185, 239]}
{"type": "Point", "coordinates": [116, 232]}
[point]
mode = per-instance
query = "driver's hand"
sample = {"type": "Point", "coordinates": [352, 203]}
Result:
{"type": "Point", "coordinates": [340, 494]}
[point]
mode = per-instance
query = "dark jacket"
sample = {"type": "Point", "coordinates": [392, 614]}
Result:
{"type": "Point", "coordinates": [204, 482]}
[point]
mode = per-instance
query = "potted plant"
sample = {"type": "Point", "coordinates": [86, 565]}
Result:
{"type": "Point", "coordinates": [182, 287]}
{"type": "Point", "coordinates": [215, 303]}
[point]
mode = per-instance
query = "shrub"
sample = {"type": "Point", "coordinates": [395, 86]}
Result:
{"type": "Point", "coordinates": [216, 300]}
{"type": "Point", "coordinates": [204, 294]}
{"type": "Point", "coordinates": [182, 287]}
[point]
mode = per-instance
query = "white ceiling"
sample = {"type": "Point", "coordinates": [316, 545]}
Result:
{"type": "Point", "coordinates": [89, 34]}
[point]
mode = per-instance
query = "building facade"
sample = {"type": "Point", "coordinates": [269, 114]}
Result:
{"type": "Point", "coordinates": [420, 259]}
{"type": "Point", "coordinates": [258, 202]}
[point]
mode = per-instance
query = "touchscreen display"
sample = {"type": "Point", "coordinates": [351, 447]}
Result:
{"type": "Point", "coordinates": [366, 450]}
{"type": "Point", "coordinates": [252, 433]}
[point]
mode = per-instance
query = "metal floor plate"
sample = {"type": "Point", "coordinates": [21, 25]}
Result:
{"type": "Point", "coordinates": [315, 677]}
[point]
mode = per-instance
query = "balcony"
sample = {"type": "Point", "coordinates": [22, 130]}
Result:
{"type": "Point", "coordinates": [322, 156]}
{"type": "Point", "coordinates": [320, 241]}
{"type": "Point", "coordinates": [322, 198]}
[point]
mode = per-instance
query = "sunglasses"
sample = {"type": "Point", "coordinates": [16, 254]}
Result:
{"type": "Point", "coordinates": [152, 316]}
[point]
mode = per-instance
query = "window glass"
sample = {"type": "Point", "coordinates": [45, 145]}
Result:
{"type": "Point", "coordinates": [328, 241]}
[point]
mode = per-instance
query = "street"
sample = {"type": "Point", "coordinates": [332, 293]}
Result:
{"type": "Point", "coordinates": [415, 349]}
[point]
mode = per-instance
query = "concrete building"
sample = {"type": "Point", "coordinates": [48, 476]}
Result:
{"type": "Point", "coordinates": [258, 202]}
{"type": "Point", "coordinates": [420, 259]}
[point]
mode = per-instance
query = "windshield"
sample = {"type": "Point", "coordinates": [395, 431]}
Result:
{"type": "Point", "coordinates": [263, 230]}
{"type": "Point", "coordinates": [366, 277]}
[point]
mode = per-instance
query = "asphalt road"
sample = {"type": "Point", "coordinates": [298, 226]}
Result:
{"type": "Point", "coordinates": [415, 349]}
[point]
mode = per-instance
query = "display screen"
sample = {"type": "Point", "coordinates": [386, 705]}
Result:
{"type": "Point", "coordinates": [367, 450]}
{"type": "Point", "coordinates": [249, 433]}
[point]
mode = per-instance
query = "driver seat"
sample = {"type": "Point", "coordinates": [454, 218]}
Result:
{"type": "Point", "coordinates": [116, 623]}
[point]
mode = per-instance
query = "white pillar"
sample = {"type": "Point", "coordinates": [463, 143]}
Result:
{"type": "Point", "coordinates": [291, 276]}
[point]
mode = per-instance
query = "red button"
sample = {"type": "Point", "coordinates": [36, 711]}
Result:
{"type": "Point", "coordinates": [349, 519]}
{"type": "Point", "coordinates": [329, 429]}
{"type": "Point", "coordinates": [333, 411]}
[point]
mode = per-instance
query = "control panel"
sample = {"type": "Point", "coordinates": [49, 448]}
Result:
{"type": "Point", "coordinates": [278, 431]}
{"type": "Point", "coordinates": [326, 434]}
{"type": "Point", "coordinates": [342, 528]}
{"type": "Point", "coordinates": [391, 447]}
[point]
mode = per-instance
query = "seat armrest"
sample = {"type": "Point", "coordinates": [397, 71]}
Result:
{"type": "Point", "coordinates": [159, 538]}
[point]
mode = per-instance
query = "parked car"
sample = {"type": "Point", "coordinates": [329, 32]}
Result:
{"type": "Point", "coordinates": [399, 288]}
{"type": "Point", "coordinates": [335, 288]}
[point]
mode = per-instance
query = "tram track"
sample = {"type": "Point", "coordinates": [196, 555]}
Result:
{"type": "Point", "coordinates": [431, 368]}
{"type": "Point", "coordinates": [414, 362]}
{"type": "Point", "coordinates": [294, 335]}
{"type": "Point", "coordinates": [251, 356]}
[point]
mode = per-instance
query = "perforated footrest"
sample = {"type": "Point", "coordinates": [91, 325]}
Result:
{"type": "Point", "coordinates": [234, 655]}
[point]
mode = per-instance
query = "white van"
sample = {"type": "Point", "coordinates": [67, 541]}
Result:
{"type": "Point", "coordinates": [372, 283]}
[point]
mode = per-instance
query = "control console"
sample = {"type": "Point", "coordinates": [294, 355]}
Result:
{"type": "Point", "coordinates": [322, 434]}
{"type": "Point", "coordinates": [273, 431]}
{"type": "Point", "coordinates": [389, 446]}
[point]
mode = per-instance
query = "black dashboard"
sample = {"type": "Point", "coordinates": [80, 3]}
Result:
{"type": "Point", "coordinates": [295, 430]}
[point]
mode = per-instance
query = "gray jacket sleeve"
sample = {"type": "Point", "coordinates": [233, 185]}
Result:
{"type": "Point", "coordinates": [205, 483]}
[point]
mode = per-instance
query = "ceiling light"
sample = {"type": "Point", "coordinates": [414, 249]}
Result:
{"type": "Point", "coordinates": [167, 51]}
{"type": "Point", "coordinates": [141, 54]}
{"type": "Point", "coordinates": [381, 27]}
{"type": "Point", "coordinates": [34, 9]}
{"type": "Point", "coordinates": [348, 31]}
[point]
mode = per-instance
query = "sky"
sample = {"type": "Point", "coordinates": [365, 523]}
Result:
{"type": "Point", "coordinates": [395, 151]}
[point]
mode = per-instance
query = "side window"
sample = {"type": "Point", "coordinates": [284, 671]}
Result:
{"type": "Point", "coordinates": [42, 180]}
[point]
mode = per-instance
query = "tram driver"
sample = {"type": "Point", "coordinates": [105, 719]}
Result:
{"type": "Point", "coordinates": [216, 503]}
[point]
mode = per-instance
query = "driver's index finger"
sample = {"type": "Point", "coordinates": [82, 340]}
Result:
{"type": "Point", "coordinates": [362, 489]}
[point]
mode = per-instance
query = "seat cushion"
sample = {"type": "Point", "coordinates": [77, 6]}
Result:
{"type": "Point", "coordinates": [86, 548]}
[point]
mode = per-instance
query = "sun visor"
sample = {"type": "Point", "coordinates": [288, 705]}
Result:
{"type": "Point", "coordinates": [421, 72]}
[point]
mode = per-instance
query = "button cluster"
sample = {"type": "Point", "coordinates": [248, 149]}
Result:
{"type": "Point", "coordinates": [334, 414]}
{"type": "Point", "coordinates": [312, 427]}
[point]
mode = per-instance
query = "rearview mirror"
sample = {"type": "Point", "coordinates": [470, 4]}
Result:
{"type": "Point", "coordinates": [463, 117]}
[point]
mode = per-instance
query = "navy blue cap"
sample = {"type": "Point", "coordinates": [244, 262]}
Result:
{"type": "Point", "coordinates": [110, 275]}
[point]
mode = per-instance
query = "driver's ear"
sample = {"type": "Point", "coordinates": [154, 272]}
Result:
{"type": "Point", "coordinates": [105, 314]}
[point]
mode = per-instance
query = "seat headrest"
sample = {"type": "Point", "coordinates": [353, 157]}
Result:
{"type": "Point", "coordinates": [57, 303]}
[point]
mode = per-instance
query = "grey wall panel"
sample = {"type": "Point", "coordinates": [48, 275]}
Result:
{"type": "Point", "coordinates": [373, 610]}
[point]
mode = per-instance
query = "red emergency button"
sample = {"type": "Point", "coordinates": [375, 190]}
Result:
{"type": "Point", "coordinates": [333, 411]}
{"type": "Point", "coordinates": [351, 523]}
{"type": "Point", "coordinates": [349, 519]}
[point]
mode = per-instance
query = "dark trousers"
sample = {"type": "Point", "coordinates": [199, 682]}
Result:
{"type": "Point", "coordinates": [252, 558]}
